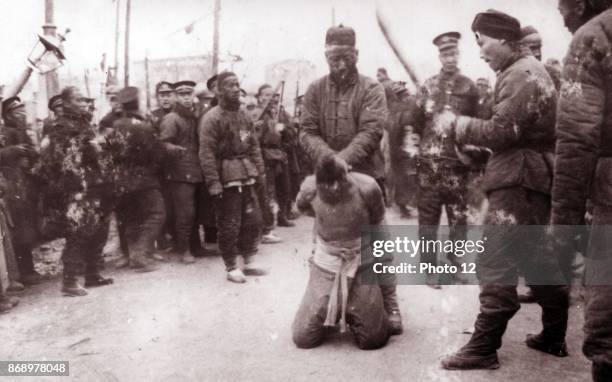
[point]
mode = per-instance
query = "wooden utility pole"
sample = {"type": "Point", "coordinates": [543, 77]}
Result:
{"type": "Point", "coordinates": [147, 85]}
{"type": "Point", "coordinates": [116, 65]}
{"type": "Point", "coordinates": [49, 29]}
{"type": "Point", "coordinates": [215, 57]}
{"type": "Point", "coordinates": [126, 64]}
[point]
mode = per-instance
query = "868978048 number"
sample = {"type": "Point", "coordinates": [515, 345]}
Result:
{"type": "Point", "coordinates": [34, 368]}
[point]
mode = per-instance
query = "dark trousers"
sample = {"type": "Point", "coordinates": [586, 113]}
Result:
{"type": "Point", "coordinates": [365, 313]}
{"type": "Point", "coordinates": [207, 216]}
{"type": "Point", "coordinates": [278, 185]}
{"type": "Point", "coordinates": [267, 214]}
{"type": "Point", "coordinates": [238, 224]}
{"type": "Point", "coordinates": [185, 203]}
{"type": "Point", "coordinates": [22, 232]}
{"type": "Point", "coordinates": [507, 253]}
{"type": "Point", "coordinates": [437, 192]}
{"type": "Point", "coordinates": [142, 215]}
{"type": "Point", "coordinates": [88, 225]}
{"type": "Point", "coordinates": [7, 245]}
{"type": "Point", "coordinates": [169, 225]}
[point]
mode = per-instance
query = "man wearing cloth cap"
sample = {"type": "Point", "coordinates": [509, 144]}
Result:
{"type": "Point", "coordinates": [517, 181]}
{"type": "Point", "coordinates": [443, 177]}
{"type": "Point", "coordinates": [231, 161]}
{"type": "Point", "coordinates": [136, 154]}
{"type": "Point", "coordinates": [179, 133]}
{"type": "Point", "coordinates": [16, 163]}
{"type": "Point", "coordinates": [583, 165]}
{"type": "Point", "coordinates": [344, 115]}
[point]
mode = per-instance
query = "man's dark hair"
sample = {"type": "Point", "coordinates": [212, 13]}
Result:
{"type": "Point", "coordinates": [328, 170]}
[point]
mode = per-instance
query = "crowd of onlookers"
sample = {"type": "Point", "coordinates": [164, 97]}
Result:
{"type": "Point", "coordinates": [143, 168]}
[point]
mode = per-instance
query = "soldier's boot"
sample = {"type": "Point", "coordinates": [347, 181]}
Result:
{"type": "Point", "coordinates": [538, 342]}
{"type": "Point", "coordinates": [71, 287]}
{"type": "Point", "coordinates": [7, 303]}
{"type": "Point", "coordinates": [497, 306]}
{"type": "Point", "coordinates": [252, 268]}
{"type": "Point", "coordinates": [141, 264]}
{"type": "Point", "coordinates": [466, 359]}
{"type": "Point", "coordinates": [601, 372]}
{"type": "Point", "coordinates": [15, 286]}
{"type": "Point", "coordinates": [554, 301]}
{"type": "Point", "coordinates": [389, 294]}
{"type": "Point", "coordinates": [95, 280]}
{"type": "Point", "coordinates": [282, 221]}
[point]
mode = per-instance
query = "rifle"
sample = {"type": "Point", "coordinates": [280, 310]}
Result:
{"type": "Point", "coordinates": [279, 107]}
{"type": "Point", "coordinates": [295, 100]}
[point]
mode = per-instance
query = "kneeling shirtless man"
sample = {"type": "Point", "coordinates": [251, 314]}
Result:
{"type": "Point", "coordinates": [342, 203]}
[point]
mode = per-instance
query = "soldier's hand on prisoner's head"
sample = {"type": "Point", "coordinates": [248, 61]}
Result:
{"type": "Point", "coordinates": [341, 162]}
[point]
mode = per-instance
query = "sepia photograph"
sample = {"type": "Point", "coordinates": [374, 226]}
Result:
{"type": "Point", "coordinates": [306, 190]}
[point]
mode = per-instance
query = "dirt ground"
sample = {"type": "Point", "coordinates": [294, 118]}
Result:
{"type": "Point", "coordinates": [187, 323]}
